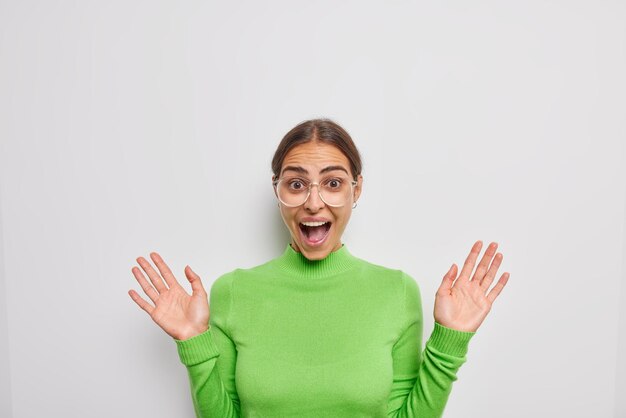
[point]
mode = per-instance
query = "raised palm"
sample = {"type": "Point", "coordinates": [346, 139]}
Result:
{"type": "Point", "coordinates": [180, 315]}
{"type": "Point", "coordinates": [463, 304]}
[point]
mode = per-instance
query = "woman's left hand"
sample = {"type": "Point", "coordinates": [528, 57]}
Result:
{"type": "Point", "coordinates": [464, 304]}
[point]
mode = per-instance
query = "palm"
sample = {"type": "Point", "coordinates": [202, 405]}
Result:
{"type": "Point", "coordinates": [463, 304]}
{"type": "Point", "coordinates": [176, 312]}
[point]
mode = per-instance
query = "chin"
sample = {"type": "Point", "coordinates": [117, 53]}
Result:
{"type": "Point", "coordinates": [315, 253]}
{"type": "Point", "coordinates": [318, 254]}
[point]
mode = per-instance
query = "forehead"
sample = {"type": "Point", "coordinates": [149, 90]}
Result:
{"type": "Point", "coordinates": [315, 156]}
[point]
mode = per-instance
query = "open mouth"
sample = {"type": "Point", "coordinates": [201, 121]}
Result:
{"type": "Point", "coordinates": [313, 233]}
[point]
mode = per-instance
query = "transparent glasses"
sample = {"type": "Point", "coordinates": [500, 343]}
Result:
{"type": "Point", "coordinates": [334, 191]}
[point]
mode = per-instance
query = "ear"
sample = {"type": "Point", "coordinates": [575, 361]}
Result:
{"type": "Point", "coordinates": [274, 187]}
{"type": "Point", "coordinates": [358, 188]}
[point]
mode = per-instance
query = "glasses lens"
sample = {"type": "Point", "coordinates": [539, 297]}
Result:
{"type": "Point", "coordinates": [334, 191]}
{"type": "Point", "coordinates": [292, 191]}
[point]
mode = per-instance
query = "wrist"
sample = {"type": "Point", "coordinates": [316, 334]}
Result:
{"type": "Point", "coordinates": [193, 332]}
{"type": "Point", "coordinates": [449, 340]}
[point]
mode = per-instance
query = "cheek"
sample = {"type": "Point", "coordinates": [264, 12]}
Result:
{"type": "Point", "coordinates": [341, 218]}
{"type": "Point", "coordinates": [288, 215]}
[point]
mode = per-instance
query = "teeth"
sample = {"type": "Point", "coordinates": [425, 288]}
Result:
{"type": "Point", "coordinates": [313, 223]}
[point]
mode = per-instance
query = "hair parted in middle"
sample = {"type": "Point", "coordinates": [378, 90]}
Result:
{"type": "Point", "coordinates": [323, 130]}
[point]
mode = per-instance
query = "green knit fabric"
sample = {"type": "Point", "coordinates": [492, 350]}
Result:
{"type": "Point", "coordinates": [338, 337]}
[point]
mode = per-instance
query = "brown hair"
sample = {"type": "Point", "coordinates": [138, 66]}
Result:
{"type": "Point", "coordinates": [322, 130]}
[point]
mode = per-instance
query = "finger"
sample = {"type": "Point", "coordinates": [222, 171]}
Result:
{"type": "Point", "coordinates": [484, 262]}
{"type": "Point", "coordinates": [448, 279]}
{"type": "Point", "coordinates": [164, 269]}
{"type": "Point", "coordinates": [155, 278]}
{"type": "Point", "coordinates": [194, 279]}
{"type": "Point", "coordinates": [141, 302]}
{"type": "Point", "coordinates": [493, 294]}
{"type": "Point", "coordinates": [491, 274]}
{"type": "Point", "coordinates": [470, 261]}
{"type": "Point", "coordinates": [147, 288]}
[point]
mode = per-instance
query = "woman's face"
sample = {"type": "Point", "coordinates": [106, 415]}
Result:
{"type": "Point", "coordinates": [306, 161]}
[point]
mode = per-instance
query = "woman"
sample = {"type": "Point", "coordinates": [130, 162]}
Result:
{"type": "Point", "coordinates": [317, 331]}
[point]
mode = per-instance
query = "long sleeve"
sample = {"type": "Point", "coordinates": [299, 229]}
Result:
{"type": "Point", "coordinates": [211, 358]}
{"type": "Point", "coordinates": [422, 381]}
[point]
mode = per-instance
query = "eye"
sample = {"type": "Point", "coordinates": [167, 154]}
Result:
{"type": "Point", "coordinates": [296, 184]}
{"type": "Point", "coordinates": [334, 183]}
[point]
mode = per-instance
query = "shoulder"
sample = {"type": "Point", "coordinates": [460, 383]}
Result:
{"type": "Point", "coordinates": [386, 271]}
{"type": "Point", "coordinates": [398, 285]}
{"type": "Point", "coordinates": [224, 283]}
{"type": "Point", "coordinates": [221, 287]}
{"type": "Point", "coordinates": [402, 286]}
{"type": "Point", "coordinates": [390, 275]}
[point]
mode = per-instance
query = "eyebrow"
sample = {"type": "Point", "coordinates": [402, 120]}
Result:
{"type": "Point", "coordinates": [323, 170]}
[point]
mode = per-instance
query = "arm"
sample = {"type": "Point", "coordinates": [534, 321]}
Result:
{"type": "Point", "coordinates": [461, 304]}
{"type": "Point", "coordinates": [422, 381]}
{"type": "Point", "coordinates": [211, 358]}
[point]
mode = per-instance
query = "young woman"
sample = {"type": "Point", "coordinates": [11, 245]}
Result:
{"type": "Point", "coordinates": [317, 331]}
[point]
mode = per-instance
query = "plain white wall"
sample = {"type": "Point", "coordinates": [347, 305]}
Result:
{"type": "Point", "coordinates": [124, 126]}
{"type": "Point", "coordinates": [620, 371]}
{"type": "Point", "coordinates": [5, 364]}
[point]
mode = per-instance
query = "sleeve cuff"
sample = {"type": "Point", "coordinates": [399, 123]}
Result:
{"type": "Point", "coordinates": [197, 349]}
{"type": "Point", "coordinates": [450, 341]}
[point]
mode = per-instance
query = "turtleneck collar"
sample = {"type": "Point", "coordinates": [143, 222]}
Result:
{"type": "Point", "coordinates": [295, 264]}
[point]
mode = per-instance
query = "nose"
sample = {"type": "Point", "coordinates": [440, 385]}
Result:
{"type": "Point", "coordinates": [314, 203]}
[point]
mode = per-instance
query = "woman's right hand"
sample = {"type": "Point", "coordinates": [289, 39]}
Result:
{"type": "Point", "coordinates": [180, 315]}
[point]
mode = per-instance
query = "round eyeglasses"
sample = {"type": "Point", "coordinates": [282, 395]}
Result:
{"type": "Point", "coordinates": [294, 191]}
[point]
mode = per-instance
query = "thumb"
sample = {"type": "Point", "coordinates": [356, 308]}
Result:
{"type": "Point", "coordinates": [194, 279]}
{"type": "Point", "coordinates": [448, 279]}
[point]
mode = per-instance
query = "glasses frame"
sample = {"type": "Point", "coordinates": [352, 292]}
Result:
{"type": "Point", "coordinates": [308, 194]}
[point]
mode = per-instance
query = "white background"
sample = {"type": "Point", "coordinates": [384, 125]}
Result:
{"type": "Point", "coordinates": [135, 126]}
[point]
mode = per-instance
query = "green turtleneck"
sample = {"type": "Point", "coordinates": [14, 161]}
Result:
{"type": "Point", "coordinates": [337, 337]}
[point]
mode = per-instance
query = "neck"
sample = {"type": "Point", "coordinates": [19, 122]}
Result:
{"type": "Point", "coordinates": [297, 248]}
{"type": "Point", "coordinates": [295, 264]}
